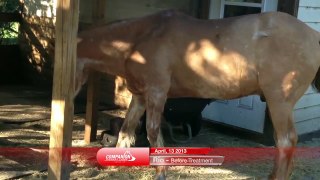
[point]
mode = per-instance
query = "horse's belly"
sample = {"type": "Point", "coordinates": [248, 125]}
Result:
{"type": "Point", "coordinates": [213, 87]}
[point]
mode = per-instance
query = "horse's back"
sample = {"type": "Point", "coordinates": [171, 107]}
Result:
{"type": "Point", "coordinates": [224, 58]}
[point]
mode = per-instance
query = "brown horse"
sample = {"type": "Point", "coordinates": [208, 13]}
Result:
{"type": "Point", "coordinates": [170, 54]}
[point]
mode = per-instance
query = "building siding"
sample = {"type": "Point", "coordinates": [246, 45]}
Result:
{"type": "Point", "coordinates": [307, 109]}
{"type": "Point", "coordinates": [309, 12]}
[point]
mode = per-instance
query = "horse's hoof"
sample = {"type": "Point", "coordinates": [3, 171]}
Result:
{"type": "Point", "coordinates": [109, 140]}
{"type": "Point", "coordinates": [160, 177]}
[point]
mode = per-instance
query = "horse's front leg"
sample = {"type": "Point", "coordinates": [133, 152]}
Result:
{"type": "Point", "coordinates": [155, 104]}
{"type": "Point", "coordinates": [128, 129]}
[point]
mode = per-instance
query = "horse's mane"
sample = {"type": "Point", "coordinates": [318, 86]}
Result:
{"type": "Point", "coordinates": [156, 18]}
{"type": "Point", "coordinates": [110, 23]}
{"type": "Point", "coordinates": [163, 13]}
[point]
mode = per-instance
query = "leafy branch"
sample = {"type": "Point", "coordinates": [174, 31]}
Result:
{"type": "Point", "coordinates": [8, 29]}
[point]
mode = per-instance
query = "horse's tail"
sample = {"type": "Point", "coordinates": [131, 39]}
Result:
{"type": "Point", "coordinates": [316, 81]}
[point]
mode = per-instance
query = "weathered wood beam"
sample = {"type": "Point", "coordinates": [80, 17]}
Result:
{"type": "Point", "coordinates": [92, 108]}
{"type": "Point", "coordinates": [63, 88]}
{"type": "Point", "coordinates": [98, 8]}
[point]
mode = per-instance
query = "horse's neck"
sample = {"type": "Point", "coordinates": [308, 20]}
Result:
{"type": "Point", "coordinates": [110, 66]}
{"type": "Point", "coordinates": [114, 45]}
{"type": "Point", "coordinates": [121, 40]}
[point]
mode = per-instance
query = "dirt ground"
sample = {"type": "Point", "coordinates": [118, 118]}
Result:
{"type": "Point", "coordinates": [25, 123]}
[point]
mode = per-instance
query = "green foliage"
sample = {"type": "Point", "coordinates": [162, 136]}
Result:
{"type": "Point", "coordinates": [9, 5]}
{"type": "Point", "coordinates": [9, 31]}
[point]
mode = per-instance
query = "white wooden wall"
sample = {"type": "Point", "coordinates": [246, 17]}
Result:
{"type": "Point", "coordinates": [307, 110]}
{"type": "Point", "coordinates": [309, 12]}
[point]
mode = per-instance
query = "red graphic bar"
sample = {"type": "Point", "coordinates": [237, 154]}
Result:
{"type": "Point", "coordinates": [180, 151]}
{"type": "Point", "coordinates": [232, 156]}
{"type": "Point", "coordinates": [204, 160]}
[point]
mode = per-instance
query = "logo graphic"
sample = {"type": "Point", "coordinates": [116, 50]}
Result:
{"type": "Point", "coordinates": [123, 156]}
{"type": "Point", "coordinates": [127, 156]}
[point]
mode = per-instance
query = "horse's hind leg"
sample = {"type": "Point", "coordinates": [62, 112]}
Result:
{"type": "Point", "coordinates": [285, 137]}
{"type": "Point", "coordinates": [280, 107]}
{"type": "Point", "coordinates": [135, 111]}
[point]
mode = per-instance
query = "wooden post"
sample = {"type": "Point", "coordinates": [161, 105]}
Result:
{"type": "Point", "coordinates": [98, 8]}
{"type": "Point", "coordinates": [93, 83]}
{"type": "Point", "coordinates": [63, 88]}
{"type": "Point", "coordinates": [92, 107]}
